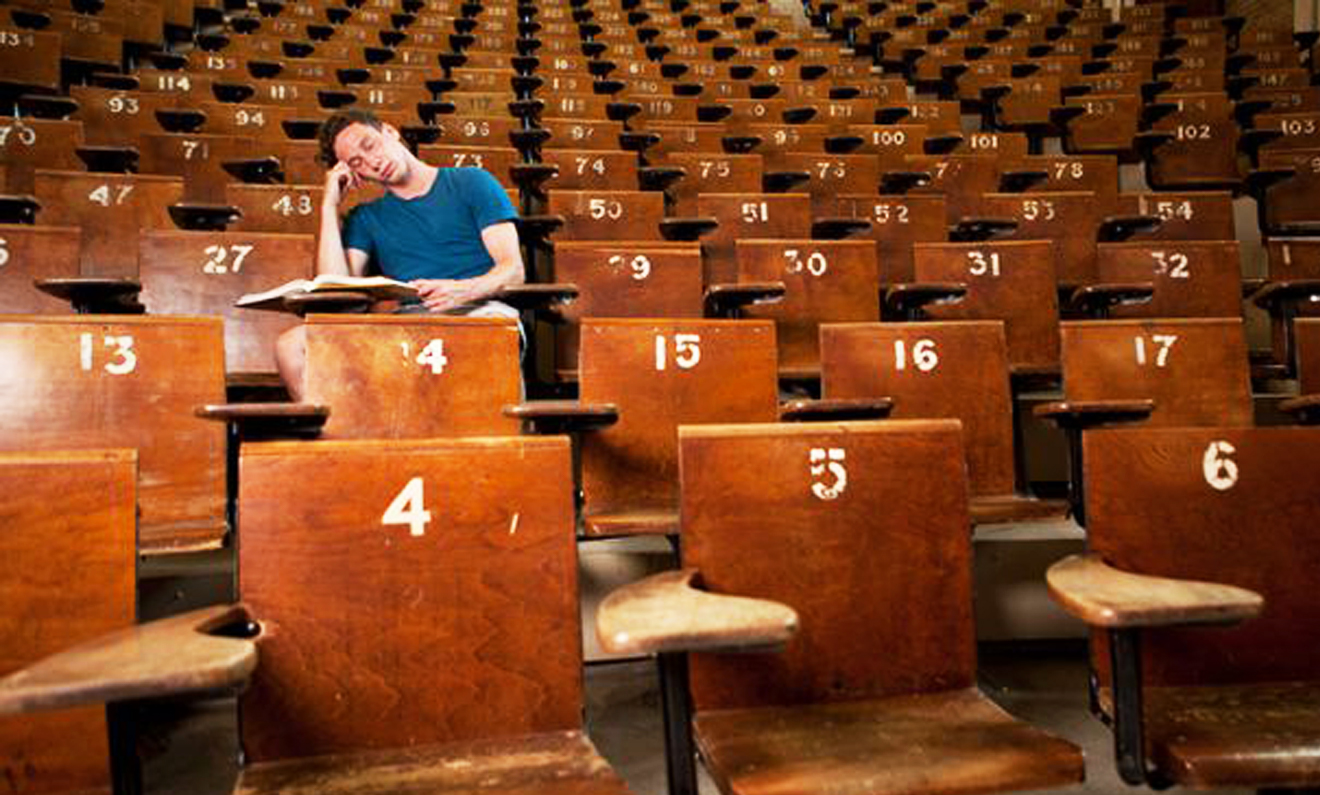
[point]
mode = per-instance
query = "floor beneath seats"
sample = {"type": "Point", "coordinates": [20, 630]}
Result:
{"type": "Point", "coordinates": [193, 753]}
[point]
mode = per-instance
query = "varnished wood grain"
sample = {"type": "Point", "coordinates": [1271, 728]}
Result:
{"type": "Point", "coordinates": [62, 513]}
{"type": "Point", "coordinates": [199, 273]}
{"type": "Point", "coordinates": [1104, 596]}
{"type": "Point", "coordinates": [633, 465]}
{"type": "Point", "coordinates": [665, 612]}
{"type": "Point", "coordinates": [164, 657]}
{"type": "Point", "coordinates": [883, 609]}
{"type": "Point", "coordinates": [1307, 332]}
{"type": "Point", "coordinates": [1023, 294]}
{"type": "Point", "coordinates": [953, 741]}
{"type": "Point", "coordinates": [375, 638]}
{"type": "Point", "coordinates": [1204, 379]}
{"type": "Point", "coordinates": [49, 401]}
{"type": "Point", "coordinates": [826, 281]}
{"type": "Point", "coordinates": [562, 763]}
{"type": "Point", "coordinates": [1151, 510]}
{"type": "Point", "coordinates": [773, 215]}
{"type": "Point", "coordinates": [35, 252]}
{"type": "Point", "coordinates": [1207, 283]}
{"type": "Point", "coordinates": [366, 369]}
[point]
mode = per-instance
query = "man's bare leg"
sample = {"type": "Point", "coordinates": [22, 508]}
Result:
{"type": "Point", "coordinates": [291, 359]}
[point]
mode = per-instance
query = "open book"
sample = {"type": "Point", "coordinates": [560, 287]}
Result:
{"type": "Point", "coordinates": [380, 288]}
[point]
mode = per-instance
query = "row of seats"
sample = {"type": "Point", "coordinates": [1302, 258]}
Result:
{"type": "Point", "coordinates": [631, 136]}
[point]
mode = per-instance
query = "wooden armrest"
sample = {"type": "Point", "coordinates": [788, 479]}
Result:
{"type": "Point", "coordinates": [180, 120]}
{"type": "Point", "coordinates": [1096, 300]}
{"type": "Point", "coordinates": [1116, 228]}
{"type": "Point", "coordinates": [532, 175]}
{"type": "Point", "coordinates": [900, 182]}
{"type": "Point", "coordinates": [204, 217]}
{"type": "Point", "coordinates": [724, 300]}
{"type": "Point", "coordinates": [659, 177]}
{"type": "Point", "coordinates": [1250, 141]}
{"type": "Point", "coordinates": [941, 144]}
{"type": "Point", "coordinates": [328, 302]}
{"type": "Point", "coordinates": [19, 209]}
{"type": "Point", "coordinates": [180, 654]}
{"type": "Point", "coordinates": [1021, 180]}
{"type": "Point", "coordinates": [1305, 409]}
{"type": "Point", "coordinates": [666, 613]}
{"type": "Point", "coordinates": [741, 144]}
{"type": "Point", "coordinates": [835, 409]}
{"type": "Point", "coordinates": [783, 181]}
{"type": "Point", "coordinates": [1090, 413]}
{"type": "Point", "coordinates": [838, 228]}
{"type": "Point", "coordinates": [255, 170]}
{"type": "Point", "coordinates": [976, 230]}
{"type": "Point", "coordinates": [537, 296]}
{"type": "Point", "coordinates": [109, 159]}
{"type": "Point", "coordinates": [552, 417]}
{"type": "Point", "coordinates": [1104, 596]}
{"type": "Point", "coordinates": [1274, 294]}
{"type": "Point", "coordinates": [907, 300]}
{"type": "Point", "coordinates": [638, 141]}
{"type": "Point", "coordinates": [43, 106]}
{"type": "Point", "coordinates": [687, 228]}
{"type": "Point", "coordinates": [96, 295]}
{"type": "Point", "coordinates": [538, 226]}
{"type": "Point", "coordinates": [1261, 179]}
{"type": "Point", "coordinates": [843, 144]}
{"type": "Point", "coordinates": [269, 420]}
{"type": "Point", "coordinates": [528, 139]}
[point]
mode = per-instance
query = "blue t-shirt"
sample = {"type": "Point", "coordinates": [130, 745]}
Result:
{"type": "Point", "coordinates": [436, 235]}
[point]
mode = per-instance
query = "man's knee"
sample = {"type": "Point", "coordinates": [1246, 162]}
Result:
{"type": "Point", "coordinates": [291, 346]}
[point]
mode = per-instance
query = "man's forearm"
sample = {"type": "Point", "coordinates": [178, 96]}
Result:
{"type": "Point", "coordinates": [331, 258]}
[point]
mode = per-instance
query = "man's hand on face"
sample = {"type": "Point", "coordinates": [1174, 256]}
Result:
{"type": "Point", "coordinates": [439, 295]}
{"type": "Point", "coordinates": [339, 182]}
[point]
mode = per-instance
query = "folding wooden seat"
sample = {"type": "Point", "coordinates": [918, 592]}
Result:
{"type": "Point", "coordinates": [961, 178]}
{"type": "Point", "coordinates": [198, 158]}
{"type": "Point", "coordinates": [1012, 281]}
{"type": "Point", "coordinates": [109, 209]}
{"type": "Point", "coordinates": [1202, 651]}
{"type": "Point", "coordinates": [511, 494]}
{"type": "Point", "coordinates": [31, 253]}
{"type": "Point", "coordinates": [1071, 219]}
{"type": "Point", "coordinates": [623, 279]}
{"type": "Point", "coordinates": [1168, 372]}
{"type": "Point", "coordinates": [1298, 131]}
{"type": "Point", "coordinates": [113, 117]}
{"type": "Point", "coordinates": [751, 214]}
{"type": "Point", "coordinates": [712, 172]}
{"type": "Point", "coordinates": [65, 512]}
{"type": "Point", "coordinates": [1189, 278]}
{"type": "Point", "coordinates": [1108, 126]}
{"type": "Point", "coordinates": [955, 370]}
{"type": "Point", "coordinates": [204, 273]}
{"type": "Point", "coordinates": [832, 281]}
{"type": "Point", "coordinates": [94, 382]}
{"type": "Point", "coordinates": [28, 144]}
{"type": "Point", "coordinates": [1097, 174]}
{"type": "Point", "coordinates": [607, 215]}
{"type": "Point", "coordinates": [897, 222]}
{"type": "Point", "coordinates": [499, 161]}
{"type": "Point", "coordinates": [29, 61]}
{"type": "Point", "coordinates": [832, 175]}
{"type": "Point", "coordinates": [1190, 215]}
{"type": "Point", "coordinates": [812, 709]}
{"type": "Point", "coordinates": [440, 375]}
{"type": "Point", "coordinates": [1195, 144]}
{"type": "Point", "coordinates": [656, 375]}
{"type": "Point", "coordinates": [287, 209]}
{"type": "Point", "coordinates": [592, 169]}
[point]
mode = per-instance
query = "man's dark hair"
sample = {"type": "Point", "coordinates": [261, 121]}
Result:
{"type": "Point", "coordinates": [333, 126]}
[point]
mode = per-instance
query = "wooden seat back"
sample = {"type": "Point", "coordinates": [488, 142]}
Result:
{"type": "Point", "coordinates": [110, 209]}
{"type": "Point", "coordinates": [65, 513]}
{"type": "Point", "coordinates": [1307, 331]}
{"type": "Point", "coordinates": [29, 144]}
{"type": "Point", "coordinates": [778, 511]}
{"type": "Point", "coordinates": [661, 374]}
{"type": "Point", "coordinates": [1194, 369]}
{"type": "Point", "coordinates": [748, 215]}
{"type": "Point", "coordinates": [413, 376]}
{"type": "Point", "coordinates": [826, 281]}
{"type": "Point", "coordinates": [435, 591]}
{"type": "Point", "coordinates": [1012, 281]}
{"type": "Point", "coordinates": [1191, 278]}
{"type": "Point", "coordinates": [1070, 219]}
{"type": "Point", "coordinates": [1191, 215]}
{"type": "Point", "coordinates": [204, 273]}
{"type": "Point", "coordinates": [898, 222]}
{"type": "Point", "coordinates": [28, 253]}
{"type": "Point", "coordinates": [607, 215]}
{"type": "Point", "coordinates": [79, 382]}
{"type": "Point", "coordinates": [931, 371]}
{"type": "Point", "coordinates": [1229, 507]}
